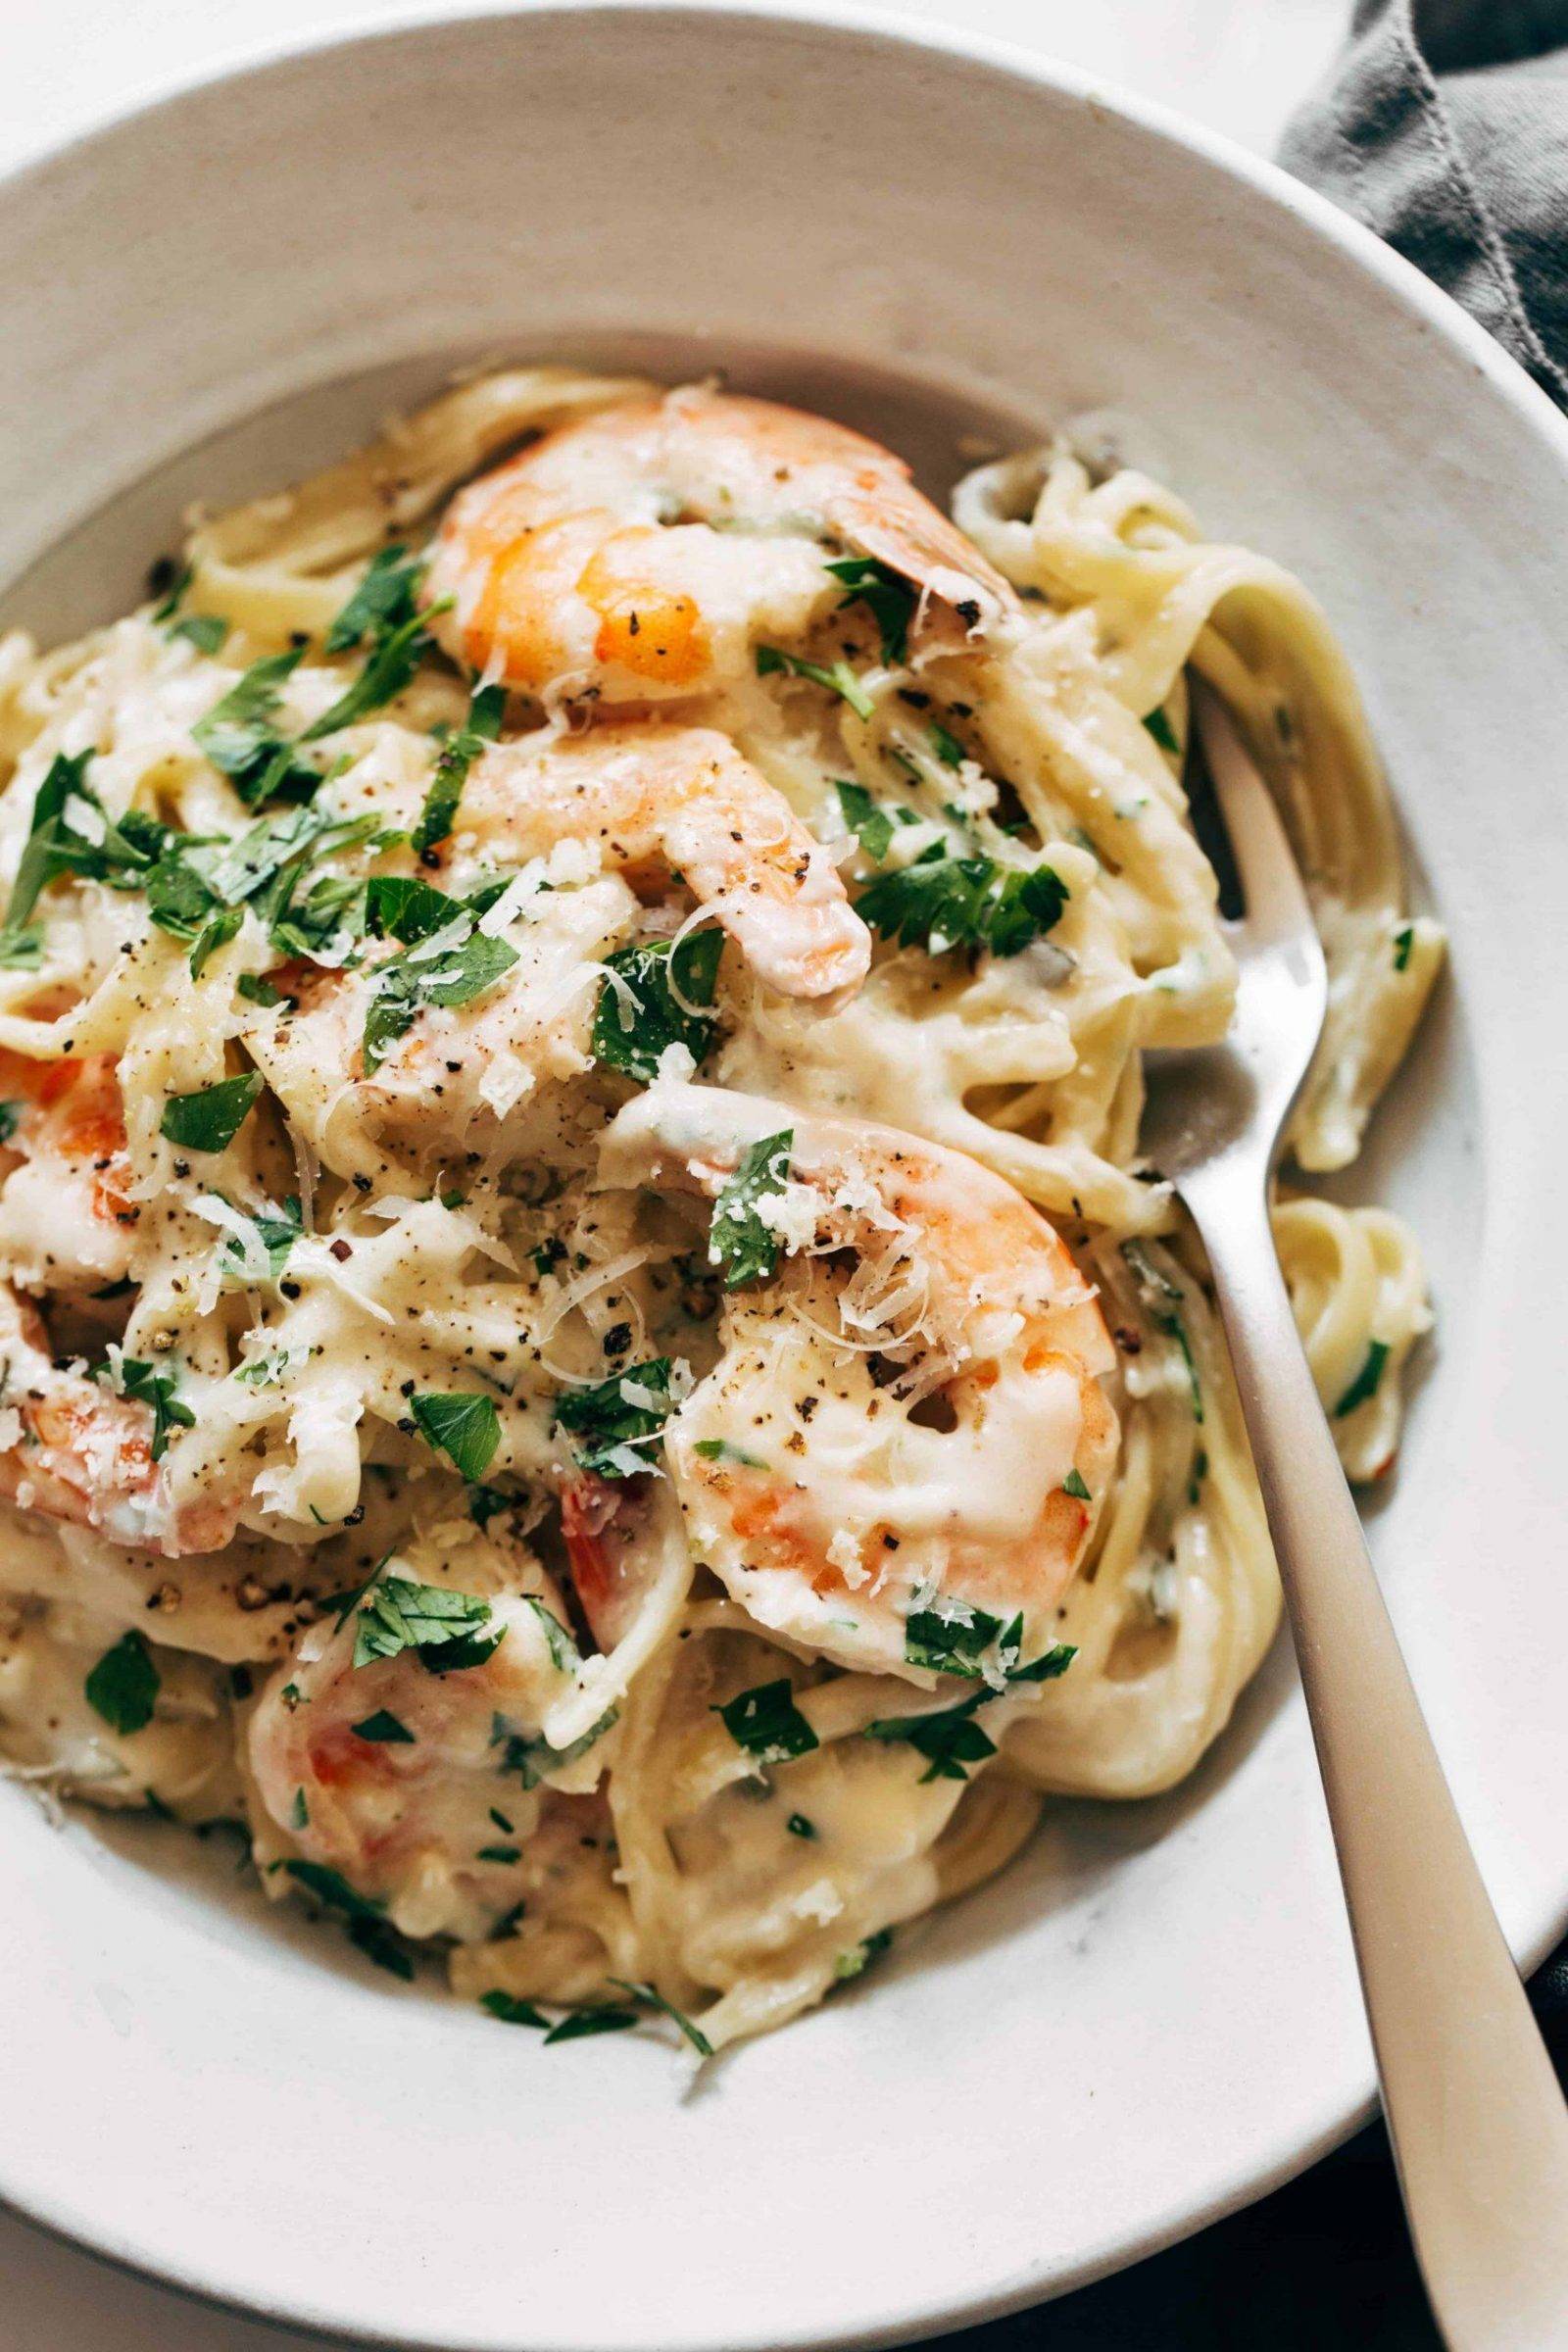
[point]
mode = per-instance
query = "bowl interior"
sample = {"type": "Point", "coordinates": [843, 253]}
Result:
{"type": "Point", "coordinates": [1155, 2013]}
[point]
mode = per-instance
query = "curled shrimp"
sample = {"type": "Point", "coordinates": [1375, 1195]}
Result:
{"type": "Point", "coordinates": [84, 1454]}
{"type": "Point", "coordinates": [418, 1776]}
{"type": "Point", "coordinates": [71, 1175]}
{"type": "Point", "coordinates": [643, 552]}
{"type": "Point", "coordinates": [891, 1462]}
{"type": "Point", "coordinates": [657, 800]}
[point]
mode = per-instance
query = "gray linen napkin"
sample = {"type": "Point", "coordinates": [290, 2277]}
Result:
{"type": "Point", "coordinates": [1443, 125]}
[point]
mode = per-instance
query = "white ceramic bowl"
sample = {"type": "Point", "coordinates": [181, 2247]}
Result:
{"type": "Point", "coordinates": [1155, 2016]}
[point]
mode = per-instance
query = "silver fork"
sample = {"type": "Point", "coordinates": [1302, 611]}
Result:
{"type": "Point", "coordinates": [1479, 2126]}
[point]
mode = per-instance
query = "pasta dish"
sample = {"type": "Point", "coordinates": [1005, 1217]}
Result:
{"type": "Point", "coordinates": [588, 1352]}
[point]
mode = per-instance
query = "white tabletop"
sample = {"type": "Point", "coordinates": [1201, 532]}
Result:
{"type": "Point", "coordinates": [1238, 65]}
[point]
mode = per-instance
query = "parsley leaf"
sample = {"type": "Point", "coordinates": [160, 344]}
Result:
{"type": "Point", "coordinates": [146, 1384]}
{"type": "Point", "coordinates": [396, 1614]}
{"type": "Point", "coordinates": [384, 1729]}
{"type": "Point", "coordinates": [514, 2011]}
{"type": "Point", "coordinates": [840, 679]}
{"type": "Point", "coordinates": [1074, 1486]}
{"type": "Point", "coordinates": [123, 1687]}
{"type": "Point", "coordinates": [55, 844]}
{"type": "Point", "coordinates": [11, 1117]}
{"type": "Point", "coordinates": [631, 1037]}
{"type": "Point", "coordinates": [453, 975]}
{"type": "Point", "coordinates": [950, 1740]}
{"type": "Point", "coordinates": [393, 663]}
{"type": "Point", "coordinates": [859, 1956]}
{"type": "Point", "coordinates": [1365, 1383]}
{"type": "Point", "coordinates": [866, 820]}
{"type": "Point", "coordinates": [369, 1931]}
{"type": "Point", "coordinates": [1162, 731]}
{"type": "Point", "coordinates": [949, 1644]}
{"type": "Point", "coordinates": [466, 1427]}
{"type": "Point", "coordinates": [946, 747]}
{"type": "Point", "coordinates": [276, 1229]}
{"type": "Point", "coordinates": [617, 1416]}
{"type": "Point", "coordinates": [719, 1449]}
{"type": "Point", "coordinates": [532, 1758]}
{"type": "Point", "coordinates": [578, 2023]}
{"type": "Point", "coordinates": [210, 1119]}
{"type": "Point", "coordinates": [382, 601]}
{"type": "Point", "coordinates": [208, 632]}
{"type": "Point", "coordinates": [737, 1239]}
{"type": "Point", "coordinates": [653, 1999]}
{"type": "Point", "coordinates": [767, 1724]}
{"type": "Point", "coordinates": [1403, 942]}
{"type": "Point", "coordinates": [889, 597]}
{"type": "Point", "coordinates": [238, 740]}
{"type": "Point", "coordinates": [941, 901]}
{"type": "Point", "coordinates": [457, 755]}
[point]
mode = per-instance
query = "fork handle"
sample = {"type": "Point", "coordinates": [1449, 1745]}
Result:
{"type": "Point", "coordinates": [1478, 2122]}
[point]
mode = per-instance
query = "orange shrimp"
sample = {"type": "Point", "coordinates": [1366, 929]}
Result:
{"type": "Point", "coordinates": [642, 552]}
{"type": "Point", "coordinates": [71, 1178]}
{"type": "Point", "coordinates": [919, 1442]}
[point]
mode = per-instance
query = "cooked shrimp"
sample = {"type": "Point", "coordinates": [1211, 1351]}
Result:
{"type": "Point", "coordinates": [71, 1181]}
{"type": "Point", "coordinates": [682, 799]}
{"type": "Point", "coordinates": [85, 1454]}
{"type": "Point", "coordinates": [416, 1777]}
{"type": "Point", "coordinates": [905, 1486]}
{"type": "Point", "coordinates": [644, 551]}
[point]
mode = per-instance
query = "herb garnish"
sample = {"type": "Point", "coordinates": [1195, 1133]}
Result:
{"type": "Point", "coordinates": [738, 1240]}
{"type": "Point", "coordinates": [858, 1958]}
{"type": "Point", "coordinates": [577, 2024]}
{"type": "Point", "coordinates": [369, 1932]}
{"type": "Point", "coordinates": [1403, 942]}
{"type": "Point", "coordinates": [866, 819]}
{"type": "Point", "coordinates": [840, 679]}
{"type": "Point", "coordinates": [662, 981]}
{"type": "Point", "coordinates": [767, 1724]}
{"type": "Point", "coordinates": [889, 597]}
{"type": "Point", "coordinates": [238, 739]}
{"type": "Point", "coordinates": [450, 961]}
{"type": "Point", "coordinates": [1074, 1486]}
{"type": "Point", "coordinates": [384, 1729]}
{"type": "Point", "coordinates": [943, 902]}
{"type": "Point", "coordinates": [123, 1687]}
{"type": "Point", "coordinates": [466, 1427]}
{"type": "Point", "coordinates": [1162, 731]}
{"type": "Point", "coordinates": [146, 1384]}
{"type": "Point", "coordinates": [514, 2011]}
{"type": "Point", "coordinates": [446, 1629]}
{"type": "Point", "coordinates": [382, 601]}
{"type": "Point", "coordinates": [210, 1119]}
{"type": "Point", "coordinates": [1365, 1383]}
{"type": "Point", "coordinates": [652, 1998]}
{"type": "Point", "coordinates": [617, 1416]}
{"type": "Point", "coordinates": [457, 755]}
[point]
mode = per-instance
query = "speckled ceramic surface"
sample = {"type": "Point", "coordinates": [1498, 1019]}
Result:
{"type": "Point", "coordinates": [1154, 2014]}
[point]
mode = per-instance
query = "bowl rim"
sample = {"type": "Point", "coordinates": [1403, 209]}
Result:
{"type": "Point", "coordinates": [333, 48]}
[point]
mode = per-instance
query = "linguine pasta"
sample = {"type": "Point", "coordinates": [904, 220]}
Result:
{"type": "Point", "coordinates": [488, 1404]}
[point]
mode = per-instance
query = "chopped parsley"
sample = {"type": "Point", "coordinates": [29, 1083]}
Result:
{"type": "Point", "coordinates": [950, 1645]}
{"type": "Point", "coordinates": [840, 679]}
{"type": "Point", "coordinates": [1403, 942]}
{"type": "Point", "coordinates": [446, 1628]}
{"type": "Point", "coordinates": [447, 965]}
{"type": "Point", "coordinates": [531, 1759]}
{"type": "Point", "coordinates": [511, 2011]}
{"type": "Point", "coordinates": [457, 755]}
{"type": "Point", "coordinates": [652, 1998]}
{"type": "Point", "coordinates": [210, 1119]}
{"type": "Point", "coordinates": [944, 901]}
{"type": "Point", "coordinates": [858, 1958]}
{"type": "Point", "coordinates": [208, 632]}
{"type": "Point", "coordinates": [1365, 1383]}
{"type": "Point", "coordinates": [1074, 1486]}
{"type": "Point", "coordinates": [866, 819]}
{"type": "Point", "coordinates": [11, 1117]}
{"type": "Point", "coordinates": [617, 1416]}
{"type": "Point", "coordinates": [767, 1724]}
{"type": "Point", "coordinates": [396, 655]}
{"type": "Point", "coordinates": [738, 1240]}
{"type": "Point", "coordinates": [577, 2024]}
{"type": "Point", "coordinates": [1162, 731]}
{"type": "Point", "coordinates": [664, 983]}
{"type": "Point", "coordinates": [276, 1230]}
{"type": "Point", "coordinates": [384, 1729]}
{"type": "Point", "coordinates": [500, 1855]}
{"type": "Point", "coordinates": [887, 594]}
{"type": "Point", "coordinates": [123, 1687]}
{"type": "Point", "coordinates": [719, 1449]}
{"type": "Point", "coordinates": [946, 747]}
{"type": "Point", "coordinates": [950, 1740]}
{"type": "Point", "coordinates": [799, 1827]}
{"type": "Point", "coordinates": [466, 1427]}
{"type": "Point", "coordinates": [382, 601]}
{"type": "Point", "coordinates": [239, 738]}
{"type": "Point", "coordinates": [300, 1817]}
{"type": "Point", "coordinates": [70, 833]}
{"type": "Point", "coordinates": [146, 1384]}
{"type": "Point", "coordinates": [369, 1931]}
